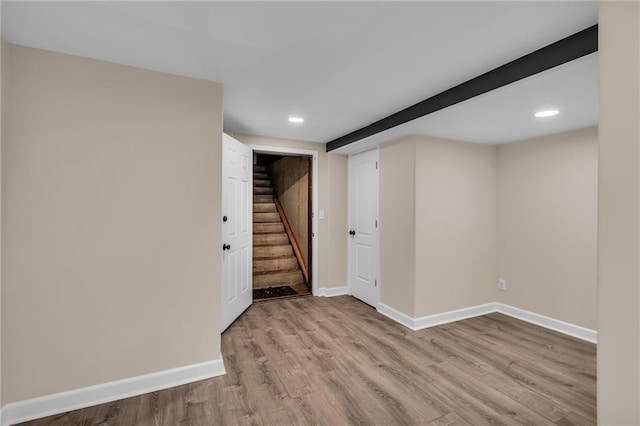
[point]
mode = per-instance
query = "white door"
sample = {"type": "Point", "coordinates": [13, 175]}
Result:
{"type": "Point", "coordinates": [237, 232]}
{"type": "Point", "coordinates": [363, 227]}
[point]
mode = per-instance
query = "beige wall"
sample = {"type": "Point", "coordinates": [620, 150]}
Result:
{"type": "Point", "coordinates": [3, 75]}
{"type": "Point", "coordinates": [456, 253]}
{"type": "Point", "coordinates": [290, 177]}
{"type": "Point", "coordinates": [398, 225]}
{"type": "Point", "coordinates": [112, 243]}
{"type": "Point", "coordinates": [548, 225]}
{"type": "Point", "coordinates": [337, 221]}
{"type": "Point", "coordinates": [332, 230]}
{"type": "Point", "coordinates": [437, 225]}
{"type": "Point", "coordinates": [619, 215]}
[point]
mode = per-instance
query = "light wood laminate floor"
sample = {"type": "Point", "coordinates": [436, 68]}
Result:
{"type": "Point", "coordinates": [334, 361]}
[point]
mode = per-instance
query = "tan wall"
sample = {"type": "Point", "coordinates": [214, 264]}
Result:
{"type": "Point", "coordinates": [290, 177]}
{"type": "Point", "coordinates": [329, 229]}
{"type": "Point", "coordinates": [619, 215]}
{"type": "Point", "coordinates": [3, 75]}
{"type": "Point", "coordinates": [437, 225]}
{"type": "Point", "coordinates": [456, 253]}
{"type": "Point", "coordinates": [338, 221]}
{"type": "Point", "coordinates": [398, 225]}
{"type": "Point", "coordinates": [112, 243]}
{"type": "Point", "coordinates": [548, 225]}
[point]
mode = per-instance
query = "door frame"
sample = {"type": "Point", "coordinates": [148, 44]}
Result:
{"type": "Point", "coordinates": [377, 235]}
{"type": "Point", "coordinates": [314, 201]}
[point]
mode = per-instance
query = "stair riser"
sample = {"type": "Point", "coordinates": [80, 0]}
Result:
{"type": "Point", "coordinates": [268, 228]}
{"type": "Point", "coordinates": [258, 190]}
{"type": "Point", "coordinates": [269, 239]}
{"type": "Point", "coordinates": [260, 176]}
{"type": "Point", "coordinates": [274, 265]}
{"type": "Point", "coordinates": [264, 208]}
{"type": "Point", "coordinates": [282, 278]}
{"type": "Point", "coordinates": [259, 169]}
{"type": "Point", "coordinates": [272, 251]}
{"type": "Point", "coordinates": [261, 182]}
{"type": "Point", "coordinates": [266, 218]}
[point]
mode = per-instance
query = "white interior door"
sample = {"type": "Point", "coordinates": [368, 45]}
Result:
{"type": "Point", "coordinates": [237, 232]}
{"type": "Point", "coordinates": [364, 249]}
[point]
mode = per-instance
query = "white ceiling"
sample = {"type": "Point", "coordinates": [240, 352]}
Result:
{"type": "Point", "coordinates": [340, 65]}
{"type": "Point", "coordinates": [507, 114]}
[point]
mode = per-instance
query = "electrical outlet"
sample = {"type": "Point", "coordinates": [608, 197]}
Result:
{"type": "Point", "coordinates": [502, 284]}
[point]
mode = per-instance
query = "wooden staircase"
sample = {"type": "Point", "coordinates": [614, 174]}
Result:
{"type": "Point", "coordinates": [274, 261]}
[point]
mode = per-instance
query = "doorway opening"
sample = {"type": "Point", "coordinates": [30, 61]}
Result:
{"type": "Point", "coordinates": [282, 225]}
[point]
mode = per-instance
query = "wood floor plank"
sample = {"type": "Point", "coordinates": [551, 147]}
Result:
{"type": "Point", "coordinates": [336, 361]}
{"type": "Point", "coordinates": [564, 351]}
{"type": "Point", "coordinates": [451, 419]}
{"type": "Point", "coordinates": [511, 364]}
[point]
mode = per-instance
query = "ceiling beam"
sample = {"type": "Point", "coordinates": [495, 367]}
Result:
{"type": "Point", "coordinates": [573, 47]}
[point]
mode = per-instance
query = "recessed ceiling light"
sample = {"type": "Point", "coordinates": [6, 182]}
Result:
{"type": "Point", "coordinates": [296, 119]}
{"type": "Point", "coordinates": [547, 113]}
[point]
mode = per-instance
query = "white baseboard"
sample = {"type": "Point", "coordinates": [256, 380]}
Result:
{"type": "Point", "coordinates": [550, 323]}
{"type": "Point", "coordinates": [49, 405]}
{"type": "Point", "coordinates": [419, 323]}
{"type": "Point", "coordinates": [397, 316]}
{"type": "Point", "coordinates": [452, 316]}
{"type": "Point", "coordinates": [332, 291]}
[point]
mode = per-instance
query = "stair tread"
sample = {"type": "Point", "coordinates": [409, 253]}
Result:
{"type": "Point", "coordinates": [271, 258]}
{"type": "Point", "coordinates": [283, 271]}
{"type": "Point", "coordinates": [281, 257]}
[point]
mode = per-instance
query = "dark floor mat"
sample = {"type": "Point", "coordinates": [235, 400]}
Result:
{"type": "Point", "coordinates": [268, 293]}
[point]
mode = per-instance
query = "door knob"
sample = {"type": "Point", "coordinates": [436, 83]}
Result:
{"type": "Point", "coordinates": [224, 218]}
{"type": "Point", "coordinates": [352, 232]}
{"type": "Point", "coordinates": [226, 247]}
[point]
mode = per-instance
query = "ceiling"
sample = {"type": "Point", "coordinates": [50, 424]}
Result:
{"type": "Point", "coordinates": [340, 65]}
{"type": "Point", "coordinates": [507, 114]}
